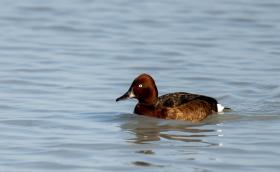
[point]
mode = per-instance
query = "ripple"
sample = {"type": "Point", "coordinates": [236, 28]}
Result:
{"type": "Point", "coordinates": [63, 63]}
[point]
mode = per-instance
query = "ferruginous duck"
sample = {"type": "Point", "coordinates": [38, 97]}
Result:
{"type": "Point", "coordinates": [177, 106]}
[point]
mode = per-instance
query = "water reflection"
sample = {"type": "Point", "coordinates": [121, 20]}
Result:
{"type": "Point", "coordinates": [145, 164]}
{"type": "Point", "coordinates": [146, 130]}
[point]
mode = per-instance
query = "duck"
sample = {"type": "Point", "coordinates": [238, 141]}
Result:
{"type": "Point", "coordinates": [174, 106]}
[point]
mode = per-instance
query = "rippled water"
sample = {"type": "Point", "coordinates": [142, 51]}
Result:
{"type": "Point", "coordinates": [63, 63]}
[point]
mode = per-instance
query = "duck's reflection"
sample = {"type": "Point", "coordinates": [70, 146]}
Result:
{"type": "Point", "coordinates": [146, 130]}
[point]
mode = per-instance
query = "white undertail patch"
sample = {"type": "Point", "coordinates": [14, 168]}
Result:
{"type": "Point", "coordinates": [220, 108]}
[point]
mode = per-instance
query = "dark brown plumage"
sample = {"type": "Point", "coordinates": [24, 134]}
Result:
{"type": "Point", "coordinates": [178, 106]}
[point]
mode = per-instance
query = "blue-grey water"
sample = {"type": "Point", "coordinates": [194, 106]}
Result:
{"type": "Point", "coordinates": [63, 63]}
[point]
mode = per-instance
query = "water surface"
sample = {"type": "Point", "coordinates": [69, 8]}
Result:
{"type": "Point", "coordinates": [63, 63]}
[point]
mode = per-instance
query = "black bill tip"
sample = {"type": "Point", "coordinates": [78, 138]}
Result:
{"type": "Point", "coordinates": [123, 97]}
{"type": "Point", "coordinates": [128, 95]}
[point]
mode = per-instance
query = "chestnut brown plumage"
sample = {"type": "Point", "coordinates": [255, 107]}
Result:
{"type": "Point", "coordinates": [178, 105]}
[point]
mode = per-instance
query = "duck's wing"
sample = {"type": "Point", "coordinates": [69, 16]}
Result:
{"type": "Point", "coordinates": [176, 99]}
{"type": "Point", "coordinates": [181, 98]}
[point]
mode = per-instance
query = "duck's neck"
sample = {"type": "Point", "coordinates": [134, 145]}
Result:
{"type": "Point", "coordinates": [150, 110]}
{"type": "Point", "coordinates": [144, 109]}
{"type": "Point", "coordinates": [150, 98]}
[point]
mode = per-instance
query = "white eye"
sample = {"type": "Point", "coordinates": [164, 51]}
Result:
{"type": "Point", "coordinates": [140, 85]}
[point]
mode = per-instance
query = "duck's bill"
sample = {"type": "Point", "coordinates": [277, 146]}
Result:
{"type": "Point", "coordinates": [128, 95]}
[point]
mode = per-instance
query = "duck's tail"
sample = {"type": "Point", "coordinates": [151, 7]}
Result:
{"type": "Point", "coordinates": [221, 108]}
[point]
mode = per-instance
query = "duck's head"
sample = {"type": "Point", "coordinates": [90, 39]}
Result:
{"type": "Point", "coordinates": [143, 88]}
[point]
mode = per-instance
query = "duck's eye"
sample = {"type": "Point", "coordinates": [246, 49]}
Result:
{"type": "Point", "coordinates": [140, 85]}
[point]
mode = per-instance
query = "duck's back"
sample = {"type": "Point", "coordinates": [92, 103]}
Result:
{"type": "Point", "coordinates": [187, 106]}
